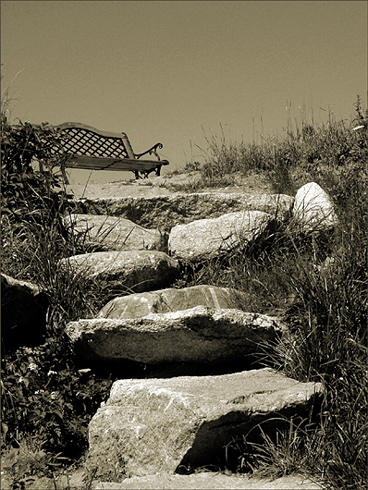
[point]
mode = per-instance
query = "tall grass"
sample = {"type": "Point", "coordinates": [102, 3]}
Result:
{"type": "Point", "coordinates": [317, 282]}
{"type": "Point", "coordinates": [47, 399]}
{"type": "Point", "coordinates": [305, 151]}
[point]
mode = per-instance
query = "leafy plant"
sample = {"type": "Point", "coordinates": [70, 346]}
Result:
{"type": "Point", "coordinates": [25, 190]}
{"type": "Point", "coordinates": [44, 394]}
{"type": "Point", "coordinates": [24, 463]}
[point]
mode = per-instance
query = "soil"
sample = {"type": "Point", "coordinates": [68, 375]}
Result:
{"type": "Point", "coordinates": [252, 184]}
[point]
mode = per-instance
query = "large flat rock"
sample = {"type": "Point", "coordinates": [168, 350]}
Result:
{"type": "Point", "coordinates": [170, 299]}
{"type": "Point", "coordinates": [136, 270]}
{"type": "Point", "coordinates": [114, 233]}
{"type": "Point", "coordinates": [208, 238]}
{"type": "Point", "coordinates": [199, 335]}
{"type": "Point", "coordinates": [151, 426]}
{"type": "Point", "coordinates": [210, 480]}
{"type": "Point", "coordinates": [165, 211]}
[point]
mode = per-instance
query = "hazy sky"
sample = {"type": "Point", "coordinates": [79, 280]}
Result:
{"type": "Point", "coordinates": [163, 70]}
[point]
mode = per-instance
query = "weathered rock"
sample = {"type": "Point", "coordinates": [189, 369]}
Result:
{"type": "Point", "coordinates": [208, 238]}
{"type": "Point", "coordinates": [199, 335]}
{"type": "Point", "coordinates": [115, 233]}
{"type": "Point", "coordinates": [164, 212]}
{"type": "Point", "coordinates": [23, 313]}
{"type": "Point", "coordinates": [134, 270]}
{"type": "Point", "coordinates": [313, 208]}
{"type": "Point", "coordinates": [213, 480]}
{"type": "Point", "coordinates": [165, 300]}
{"type": "Point", "coordinates": [179, 424]}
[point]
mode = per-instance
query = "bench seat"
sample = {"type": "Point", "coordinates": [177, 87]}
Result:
{"type": "Point", "coordinates": [88, 148]}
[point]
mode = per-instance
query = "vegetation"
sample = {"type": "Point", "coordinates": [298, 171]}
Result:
{"type": "Point", "coordinates": [316, 281]}
{"type": "Point", "coordinates": [48, 399]}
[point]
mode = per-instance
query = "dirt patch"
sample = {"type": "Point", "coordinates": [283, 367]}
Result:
{"type": "Point", "coordinates": [252, 184]}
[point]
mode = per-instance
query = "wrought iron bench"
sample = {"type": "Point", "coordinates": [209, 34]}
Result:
{"type": "Point", "coordinates": [91, 149]}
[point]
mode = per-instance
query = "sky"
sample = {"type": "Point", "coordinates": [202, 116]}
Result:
{"type": "Point", "coordinates": [176, 72]}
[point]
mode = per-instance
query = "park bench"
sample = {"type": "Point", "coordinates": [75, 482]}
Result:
{"type": "Point", "coordinates": [88, 148]}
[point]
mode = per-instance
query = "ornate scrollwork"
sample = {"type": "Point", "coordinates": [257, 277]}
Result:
{"type": "Point", "coordinates": [151, 151]}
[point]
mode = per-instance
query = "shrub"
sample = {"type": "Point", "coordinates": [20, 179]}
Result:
{"type": "Point", "coordinates": [44, 395]}
{"type": "Point", "coordinates": [46, 398]}
{"type": "Point", "coordinates": [23, 189]}
{"type": "Point", "coordinates": [33, 202]}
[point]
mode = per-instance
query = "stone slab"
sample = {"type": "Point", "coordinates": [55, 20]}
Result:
{"type": "Point", "coordinates": [170, 299]}
{"type": "Point", "coordinates": [179, 424]}
{"type": "Point", "coordinates": [199, 335]}
{"type": "Point", "coordinates": [136, 270]}
{"type": "Point", "coordinates": [115, 233]}
{"type": "Point", "coordinates": [213, 481]}
{"type": "Point", "coordinates": [165, 211]}
{"type": "Point", "coordinates": [212, 237]}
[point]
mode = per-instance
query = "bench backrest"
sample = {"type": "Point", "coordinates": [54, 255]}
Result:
{"type": "Point", "coordinates": [85, 140]}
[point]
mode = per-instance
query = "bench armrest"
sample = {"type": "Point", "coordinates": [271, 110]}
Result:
{"type": "Point", "coordinates": [151, 151]}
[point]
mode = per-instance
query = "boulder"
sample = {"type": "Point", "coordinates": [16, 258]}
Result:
{"type": "Point", "coordinates": [209, 238]}
{"type": "Point", "coordinates": [115, 233]}
{"type": "Point", "coordinates": [164, 212]}
{"type": "Point", "coordinates": [199, 336]}
{"type": "Point", "coordinates": [170, 299]}
{"type": "Point", "coordinates": [180, 424]}
{"type": "Point", "coordinates": [313, 208]}
{"type": "Point", "coordinates": [134, 270]}
{"type": "Point", "coordinates": [23, 313]}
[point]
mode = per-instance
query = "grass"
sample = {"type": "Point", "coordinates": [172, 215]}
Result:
{"type": "Point", "coordinates": [318, 283]}
{"type": "Point", "coordinates": [315, 281]}
{"type": "Point", "coordinates": [47, 396]}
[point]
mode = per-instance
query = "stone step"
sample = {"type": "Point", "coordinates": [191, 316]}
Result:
{"type": "Point", "coordinates": [172, 299]}
{"type": "Point", "coordinates": [205, 480]}
{"type": "Point", "coordinates": [199, 336]}
{"type": "Point", "coordinates": [114, 233]}
{"type": "Point", "coordinates": [212, 237]}
{"type": "Point", "coordinates": [180, 424]}
{"type": "Point", "coordinates": [164, 212]}
{"type": "Point", "coordinates": [213, 481]}
{"type": "Point", "coordinates": [135, 270]}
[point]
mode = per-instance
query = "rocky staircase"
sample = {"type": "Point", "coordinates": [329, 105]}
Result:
{"type": "Point", "coordinates": [192, 392]}
{"type": "Point", "coordinates": [189, 391]}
